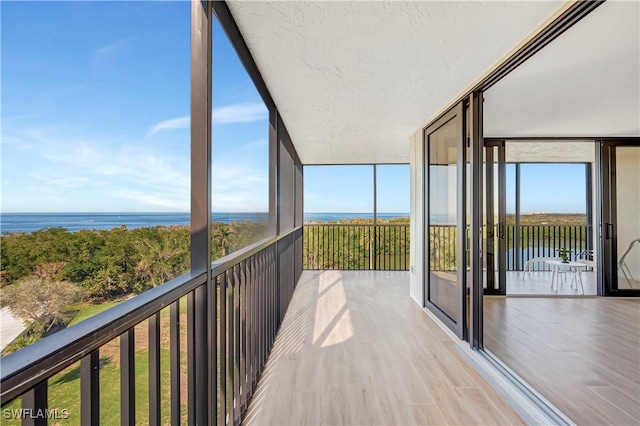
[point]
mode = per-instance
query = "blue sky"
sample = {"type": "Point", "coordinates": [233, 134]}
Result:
{"type": "Point", "coordinates": [549, 188]}
{"type": "Point", "coordinates": [95, 111]}
{"type": "Point", "coordinates": [95, 118]}
{"type": "Point", "coordinates": [349, 189]}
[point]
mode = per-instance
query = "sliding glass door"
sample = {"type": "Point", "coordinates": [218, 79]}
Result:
{"type": "Point", "coordinates": [445, 212]}
{"type": "Point", "coordinates": [620, 230]}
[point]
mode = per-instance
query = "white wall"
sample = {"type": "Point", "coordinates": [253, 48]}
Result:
{"type": "Point", "coordinates": [416, 274]}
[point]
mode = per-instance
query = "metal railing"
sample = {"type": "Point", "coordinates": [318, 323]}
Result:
{"type": "Point", "coordinates": [383, 247]}
{"type": "Point", "coordinates": [246, 297]}
{"type": "Point", "coordinates": [525, 242]}
{"type": "Point", "coordinates": [442, 247]}
{"type": "Point", "coordinates": [522, 243]}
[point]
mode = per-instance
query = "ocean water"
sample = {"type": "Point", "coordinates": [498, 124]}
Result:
{"type": "Point", "coordinates": [30, 222]}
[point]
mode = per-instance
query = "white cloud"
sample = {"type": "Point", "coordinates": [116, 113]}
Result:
{"type": "Point", "coordinates": [109, 51]}
{"type": "Point", "coordinates": [116, 169]}
{"type": "Point", "coordinates": [174, 123]}
{"type": "Point", "coordinates": [245, 112]}
{"type": "Point", "coordinates": [240, 113]}
{"type": "Point", "coordinates": [108, 172]}
{"type": "Point", "coordinates": [153, 200]}
{"type": "Point", "coordinates": [63, 182]}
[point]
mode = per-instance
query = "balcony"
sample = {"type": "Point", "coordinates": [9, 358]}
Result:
{"type": "Point", "coordinates": [386, 323]}
{"type": "Point", "coordinates": [355, 349]}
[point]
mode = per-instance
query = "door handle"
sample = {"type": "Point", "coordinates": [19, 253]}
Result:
{"type": "Point", "coordinates": [608, 231]}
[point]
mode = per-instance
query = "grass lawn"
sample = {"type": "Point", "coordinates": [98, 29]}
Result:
{"type": "Point", "coordinates": [87, 311]}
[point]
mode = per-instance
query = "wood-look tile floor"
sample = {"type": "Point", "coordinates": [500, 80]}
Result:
{"type": "Point", "coordinates": [582, 354]}
{"type": "Point", "coordinates": [354, 349]}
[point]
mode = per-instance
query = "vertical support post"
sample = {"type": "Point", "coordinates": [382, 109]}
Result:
{"type": "Point", "coordinates": [516, 244]}
{"type": "Point", "coordinates": [476, 249]}
{"type": "Point", "coordinates": [375, 218]}
{"type": "Point", "coordinates": [274, 170]}
{"type": "Point", "coordinates": [460, 245]}
{"type": "Point", "coordinates": [200, 388]}
{"type": "Point", "coordinates": [275, 159]}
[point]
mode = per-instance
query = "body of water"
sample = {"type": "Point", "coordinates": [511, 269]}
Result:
{"type": "Point", "coordinates": [30, 222]}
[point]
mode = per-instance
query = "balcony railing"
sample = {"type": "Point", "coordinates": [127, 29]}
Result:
{"type": "Point", "coordinates": [251, 289]}
{"type": "Point", "coordinates": [361, 247]}
{"type": "Point", "coordinates": [522, 243]}
{"type": "Point", "coordinates": [386, 246]}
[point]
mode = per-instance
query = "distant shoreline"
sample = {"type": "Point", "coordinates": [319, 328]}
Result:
{"type": "Point", "coordinates": [31, 222]}
{"type": "Point", "coordinates": [76, 221]}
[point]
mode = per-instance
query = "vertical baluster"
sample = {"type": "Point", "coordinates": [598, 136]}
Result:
{"type": "Point", "coordinates": [260, 312]}
{"type": "Point", "coordinates": [340, 242]}
{"type": "Point", "coordinates": [404, 249]}
{"type": "Point", "coordinates": [352, 248]}
{"type": "Point", "coordinates": [333, 247]}
{"type": "Point", "coordinates": [224, 394]}
{"type": "Point", "coordinates": [243, 334]}
{"type": "Point", "coordinates": [191, 359]}
{"type": "Point", "coordinates": [174, 360]}
{"type": "Point", "coordinates": [231, 376]}
{"type": "Point", "coordinates": [35, 400]}
{"type": "Point", "coordinates": [325, 257]}
{"type": "Point", "coordinates": [270, 299]}
{"type": "Point", "coordinates": [393, 247]}
{"type": "Point", "coordinates": [237, 367]}
{"type": "Point", "coordinates": [90, 388]}
{"type": "Point", "coordinates": [250, 319]}
{"type": "Point", "coordinates": [127, 379]}
{"type": "Point", "coordinates": [255, 313]}
{"type": "Point", "coordinates": [154, 368]}
{"type": "Point", "coordinates": [537, 241]}
{"type": "Point", "coordinates": [250, 324]}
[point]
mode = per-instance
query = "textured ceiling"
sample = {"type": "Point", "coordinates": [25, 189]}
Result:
{"type": "Point", "coordinates": [585, 83]}
{"type": "Point", "coordinates": [353, 80]}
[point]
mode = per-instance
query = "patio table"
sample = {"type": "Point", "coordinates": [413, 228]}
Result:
{"type": "Point", "coordinates": [558, 266]}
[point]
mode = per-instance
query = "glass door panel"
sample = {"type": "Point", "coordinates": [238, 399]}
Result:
{"type": "Point", "coordinates": [620, 230]}
{"type": "Point", "coordinates": [628, 217]}
{"type": "Point", "coordinates": [445, 175]}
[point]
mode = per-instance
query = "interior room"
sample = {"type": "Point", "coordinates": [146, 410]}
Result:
{"type": "Point", "coordinates": [575, 103]}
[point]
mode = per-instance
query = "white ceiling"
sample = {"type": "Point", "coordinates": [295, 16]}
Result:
{"type": "Point", "coordinates": [353, 80]}
{"type": "Point", "coordinates": [585, 83]}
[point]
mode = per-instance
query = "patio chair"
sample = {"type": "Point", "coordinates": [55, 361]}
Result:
{"type": "Point", "coordinates": [587, 257]}
{"type": "Point", "coordinates": [624, 267]}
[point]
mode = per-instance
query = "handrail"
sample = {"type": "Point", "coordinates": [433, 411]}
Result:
{"type": "Point", "coordinates": [24, 369]}
{"type": "Point", "coordinates": [29, 366]}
